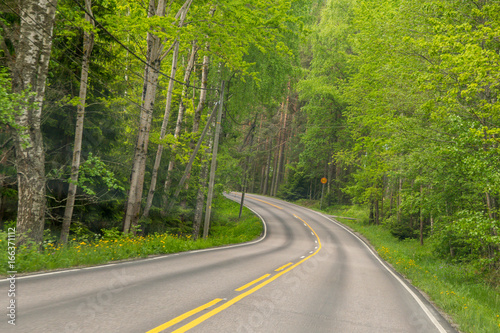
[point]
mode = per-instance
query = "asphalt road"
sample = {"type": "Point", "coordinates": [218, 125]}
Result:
{"type": "Point", "coordinates": [307, 273]}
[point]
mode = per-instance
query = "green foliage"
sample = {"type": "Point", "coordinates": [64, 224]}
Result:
{"type": "Point", "coordinates": [9, 102]}
{"type": "Point", "coordinates": [415, 84]}
{"type": "Point", "coordinates": [471, 235]}
{"type": "Point", "coordinates": [92, 171]}
{"type": "Point", "coordinates": [296, 186]}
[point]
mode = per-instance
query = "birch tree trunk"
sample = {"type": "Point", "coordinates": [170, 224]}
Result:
{"type": "Point", "coordinates": [203, 95]}
{"type": "Point", "coordinates": [88, 44]}
{"type": "Point", "coordinates": [213, 164]}
{"type": "Point", "coordinates": [29, 71]}
{"type": "Point", "coordinates": [181, 16]}
{"type": "Point", "coordinates": [151, 74]}
{"type": "Point", "coordinates": [180, 118]}
{"type": "Point", "coordinates": [163, 131]}
{"type": "Point", "coordinates": [189, 165]}
{"type": "Point", "coordinates": [200, 196]}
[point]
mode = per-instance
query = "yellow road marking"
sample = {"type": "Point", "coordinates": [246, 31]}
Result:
{"type": "Point", "coordinates": [282, 267]}
{"type": "Point", "coordinates": [253, 282]}
{"type": "Point", "coordinates": [262, 201]}
{"type": "Point", "coordinates": [238, 298]}
{"type": "Point", "coordinates": [184, 316]}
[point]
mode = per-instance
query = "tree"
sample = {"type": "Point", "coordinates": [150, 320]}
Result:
{"type": "Point", "coordinates": [29, 62]}
{"type": "Point", "coordinates": [155, 47]}
{"type": "Point", "coordinates": [88, 44]}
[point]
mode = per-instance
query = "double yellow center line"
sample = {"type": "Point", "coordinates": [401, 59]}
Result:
{"type": "Point", "coordinates": [267, 279]}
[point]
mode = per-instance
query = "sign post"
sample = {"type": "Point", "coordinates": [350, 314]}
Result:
{"type": "Point", "coordinates": [323, 181]}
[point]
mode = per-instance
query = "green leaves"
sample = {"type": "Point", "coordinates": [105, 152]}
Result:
{"type": "Point", "coordinates": [9, 102]}
{"type": "Point", "coordinates": [417, 90]}
{"type": "Point", "coordinates": [92, 172]}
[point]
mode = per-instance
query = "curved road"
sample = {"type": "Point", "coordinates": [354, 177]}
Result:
{"type": "Point", "coordinates": [307, 273]}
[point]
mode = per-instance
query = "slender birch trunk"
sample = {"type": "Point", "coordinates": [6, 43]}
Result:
{"type": "Point", "coordinates": [200, 196]}
{"type": "Point", "coordinates": [197, 114]}
{"type": "Point", "coordinates": [163, 131]}
{"type": "Point", "coordinates": [181, 16]}
{"type": "Point", "coordinates": [151, 74]}
{"type": "Point", "coordinates": [180, 118]}
{"type": "Point", "coordinates": [88, 44]}
{"type": "Point", "coordinates": [213, 164]}
{"type": "Point", "coordinates": [29, 71]}
{"type": "Point", "coordinates": [203, 96]}
{"type": "Point", "coordinates": [189, 165]}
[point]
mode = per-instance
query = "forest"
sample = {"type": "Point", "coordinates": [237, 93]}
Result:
{"type": "Point", "coordinates": [132, 115]}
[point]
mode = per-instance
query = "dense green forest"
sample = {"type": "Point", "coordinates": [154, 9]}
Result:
{"type": "Point", "coordinates": [115, 114]}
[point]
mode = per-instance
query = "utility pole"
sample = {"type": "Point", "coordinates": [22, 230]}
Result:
{"type": "Point", "coordinates": [213, 166]}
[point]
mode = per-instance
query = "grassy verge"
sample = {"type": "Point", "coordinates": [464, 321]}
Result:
{"type": "Point", "coordinates": [458, 289]}
{"type": "Point", "coordinates": [113, 246]}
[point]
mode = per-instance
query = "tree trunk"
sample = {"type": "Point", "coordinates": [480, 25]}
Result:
{"type": "Point", "coordinates": [187, 171]}
{"type": "Point", "coordinates": [163, 131]}
{"type": "Point", "coordinates": [180, 118]}
{"type": "Point", "coordinates": [398, 203]}
{"type": "Point", "coordinates": [268, 166]}
{"type": "Point", "coordinates": [213, 166]}
{"type": "Point", "coordinates": [29, 71]}
{"type": "Point", "coordinates": [203, 95]}
{"type": "Point", "coordinates": [331, 168]}
{"type": "Point", "coordinates": [88, 44]}
{"type": "Point", "coordinates": [372, 213]}
{"type": "Point", "coordinates": [279, 157]}
{"type": "Point", "coordinates": [181, 15]}
{"type": "Point", "coordinates": [151, 73]}
{"type": "Point", "coordinates": [421, 218]}
{"type": "Point", "coordinates": [244, 186]}
{"type": "Point", "coordinates": [275, 172]}
{"type": "Point", "coordinates": [197, 114]}
{"type": "Point", "coordinates": [200, 197]}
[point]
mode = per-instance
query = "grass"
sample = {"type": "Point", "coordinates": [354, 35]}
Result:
{"type": "Point", "coordinates": [459, 289]}
{"type": "Point", "coordinates": [114, 246]}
